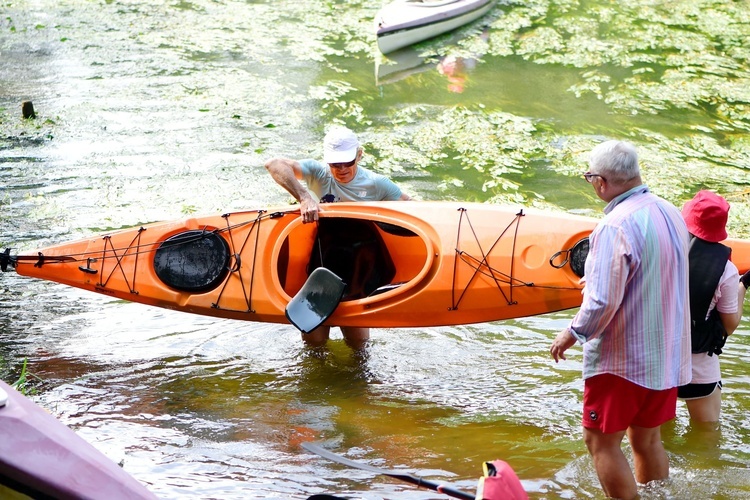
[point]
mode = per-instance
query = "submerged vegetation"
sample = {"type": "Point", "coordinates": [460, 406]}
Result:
{"type": "Point", "coordinates": [672, 77]}
{"type": "Point", "coordinates": [542, 82]}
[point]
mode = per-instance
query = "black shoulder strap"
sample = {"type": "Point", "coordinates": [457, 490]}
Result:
{"type": "Point", "coordinates": [707, 262]}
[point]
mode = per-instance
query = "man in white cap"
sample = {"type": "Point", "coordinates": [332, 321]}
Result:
{"type": "Point", "coordinates": [339, 178]}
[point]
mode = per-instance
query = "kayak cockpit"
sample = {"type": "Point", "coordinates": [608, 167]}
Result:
{"type": "Point", "coordinates": [370, 257]}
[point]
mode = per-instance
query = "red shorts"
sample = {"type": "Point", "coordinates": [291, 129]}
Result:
{"type": "Point", "coordinates": [612, 404]}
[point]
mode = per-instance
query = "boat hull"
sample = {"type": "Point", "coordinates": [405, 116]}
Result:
{"type": "Point", "coordinates": [404, 23]}
{"type": "Point", "coordinates": [407, 264]}
{"type": "Point", "coordinates": [42, 458]}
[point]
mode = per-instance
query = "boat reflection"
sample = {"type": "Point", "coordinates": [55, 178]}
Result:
{"type": "Point", "coordinates": [407, 62]}
{"type": "Point", "coordinates": [453, 63]}
{"type": "Point", "coordinates": [402, 64]}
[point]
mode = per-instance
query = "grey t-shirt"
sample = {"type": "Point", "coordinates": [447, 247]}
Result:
{"type": "Point", "coordinates": [366, 185]}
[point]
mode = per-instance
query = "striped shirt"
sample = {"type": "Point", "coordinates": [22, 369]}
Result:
{"type": "Point", "coordinates": [634, 320]}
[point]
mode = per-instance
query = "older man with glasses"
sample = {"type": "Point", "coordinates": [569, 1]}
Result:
{"type": "Point", "coordinates": [634, 323]}
{"type": "Point", "coordinates": [338, 178]}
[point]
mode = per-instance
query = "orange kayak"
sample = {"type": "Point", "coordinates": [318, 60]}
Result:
{"type": "Point", "coordinates": [405, 264]}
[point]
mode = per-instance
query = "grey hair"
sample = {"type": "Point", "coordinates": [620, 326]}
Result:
{"type": "Point", "coordinates": [615, 160]}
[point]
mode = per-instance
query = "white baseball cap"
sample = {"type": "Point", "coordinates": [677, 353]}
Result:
{"type": "Point", "coordinates": [340, 145]}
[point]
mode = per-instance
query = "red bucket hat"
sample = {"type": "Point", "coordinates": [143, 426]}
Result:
{"type": "Point", "coordinates": [706, 216]}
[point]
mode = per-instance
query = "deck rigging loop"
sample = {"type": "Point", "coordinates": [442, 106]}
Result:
{"type": "Point", "coordinates": [481, 265]}
{"type": "Point", "coordinates": [237, 269]}
{"type": "Point", "coordinates": [134, 243]}
{"type": "Point", "coordinates": [576, 255]}
{"type": "Point", "coordinates": [235, 263]}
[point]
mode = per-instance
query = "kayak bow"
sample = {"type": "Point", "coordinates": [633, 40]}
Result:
{"type": "Point", "coordinates": [42, 458]}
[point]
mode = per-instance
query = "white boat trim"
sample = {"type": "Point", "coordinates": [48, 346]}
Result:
{"type": "Point", "coordinates": [408, 33]}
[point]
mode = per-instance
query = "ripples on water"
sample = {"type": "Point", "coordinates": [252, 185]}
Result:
{"type": "Point", "coordinates": [150, 111]}
{"type": "Point", "coordinates": [218, 408]}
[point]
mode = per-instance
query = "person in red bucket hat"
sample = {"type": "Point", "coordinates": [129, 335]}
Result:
{"type": "Point", "coordinates": [716, 298]}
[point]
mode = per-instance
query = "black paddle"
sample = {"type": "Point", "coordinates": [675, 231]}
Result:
{"type": "Point", "coordinates": [419, 482]}
{"type": "Point", "coordinates": [316, 300]}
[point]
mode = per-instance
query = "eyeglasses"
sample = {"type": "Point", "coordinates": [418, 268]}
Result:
{"type": "Point", "coordinates": [338, 166]}
{"type": "Point", "coordinates": [590, 177]}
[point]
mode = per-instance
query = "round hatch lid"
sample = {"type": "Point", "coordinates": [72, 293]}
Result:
{"type": "Point", "coordinates": [192, 261]}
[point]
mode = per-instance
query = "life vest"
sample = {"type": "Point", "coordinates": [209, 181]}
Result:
{"type": "Point", "coordinates": [707, 262]}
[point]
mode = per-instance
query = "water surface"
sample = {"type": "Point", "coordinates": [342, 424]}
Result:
{"type": "Point", "coordinates": [151, 110]}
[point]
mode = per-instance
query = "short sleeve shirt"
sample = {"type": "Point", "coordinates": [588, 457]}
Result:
{"type": "Point", "coordinates": [365, 186]}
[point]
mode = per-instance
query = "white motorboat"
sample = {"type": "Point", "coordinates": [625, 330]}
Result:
{"type": "Point", "coordinates": [403, 23]}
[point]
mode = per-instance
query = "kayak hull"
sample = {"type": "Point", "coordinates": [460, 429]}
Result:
{"type": "Point", "coordinates": [41, 457]}
{"type": "Point", "coordinates": [403, 23]}
{"type": "Point", "coordinates": [445, 263]}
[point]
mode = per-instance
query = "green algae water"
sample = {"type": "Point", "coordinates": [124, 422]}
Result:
{"type": "Point", "coordinates": [151, 110]}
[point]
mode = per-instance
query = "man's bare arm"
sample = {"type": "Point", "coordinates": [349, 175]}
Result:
{"type": "Point", "coordinates": [286, 173]}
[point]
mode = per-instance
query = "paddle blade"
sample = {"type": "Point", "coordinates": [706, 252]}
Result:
{"type": "Point", "coordinates": [316, 300]}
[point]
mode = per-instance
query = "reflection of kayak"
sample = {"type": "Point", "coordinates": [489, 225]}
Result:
{"type": "Point", "coordinates": [406, 264]}
{"type": "Point", "coordinates": [405, 22]}
{"type": "Point", "coordinates": [42, 458]}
